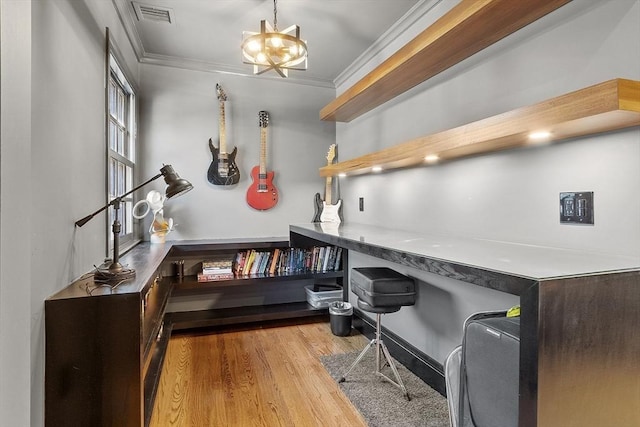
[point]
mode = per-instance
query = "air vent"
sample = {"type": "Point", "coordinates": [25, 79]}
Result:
{"type": "Point", "coordinates": [147, 12]}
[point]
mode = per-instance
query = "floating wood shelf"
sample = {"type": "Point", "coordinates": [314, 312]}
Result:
{"type": "Point", "coordinates": [466, 29]}
{"type": "Point", "coordinates": [611, 105]}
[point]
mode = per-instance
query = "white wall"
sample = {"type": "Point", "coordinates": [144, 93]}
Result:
{"type": "Point", "coordinates": [53, 173]}
{"type": "Point", "coordinates": [15, 215]}
{"type": "Point", "coordinates": [512, 195]}
{"type": "Point", "coordinates": [180, 113]}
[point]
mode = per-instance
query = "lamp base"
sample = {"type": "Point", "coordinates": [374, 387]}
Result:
{"type": "Point", "coordinates": [113, 274]}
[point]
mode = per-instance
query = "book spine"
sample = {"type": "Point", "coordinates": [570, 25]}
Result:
{"type": "Point", "coordinates": [264, 264]}
{"type": "Point", "coordinates": [240, 259]}
{"type": "Point", "coordinates": [247, 265]}
{"type": "Point", "coordinates": [256, 263]}
{"type": "Point", "coordinates": [214, 277]}
{"type": "Point", "coordinates": [217, 264]}
{"type": "Point", "coordinates": [318, 268]}
{"type": "Point", "coordinates": [217, 270]}
{"type": "Point", "coordinates": [325, 260]}
{"type": "Point", "coordinates": [332, 258]}
{"type": "Point", "coordinates": [338, 263]}
{"type": "Point", "coordinates": [274, 261]}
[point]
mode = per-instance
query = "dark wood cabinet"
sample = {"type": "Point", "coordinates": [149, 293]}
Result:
{"type": "Point", "coordinates": [104, 348]}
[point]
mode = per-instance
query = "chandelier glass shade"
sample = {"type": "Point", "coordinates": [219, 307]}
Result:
{"type": "Point", "coordinates": [271, 49]}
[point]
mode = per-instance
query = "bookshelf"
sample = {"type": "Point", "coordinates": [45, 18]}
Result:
{"type": "Point", "coordinates": [246, 297]}
{"type": "Point", "coordinates": [190, 285]}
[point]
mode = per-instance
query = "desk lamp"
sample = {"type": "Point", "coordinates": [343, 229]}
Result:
{"type": "Point", "coordinates": [115, 272]}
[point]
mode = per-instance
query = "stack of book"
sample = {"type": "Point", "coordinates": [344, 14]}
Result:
{"type": "Point", "coordinates": [216, 270]}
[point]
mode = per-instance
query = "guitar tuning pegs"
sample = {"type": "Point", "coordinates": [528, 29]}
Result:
{"type": "Point", "coordinates": [263, 119]}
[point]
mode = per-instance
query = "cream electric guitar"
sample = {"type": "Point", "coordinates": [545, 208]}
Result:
{"type": "Point", "coordinates": [325, 211]}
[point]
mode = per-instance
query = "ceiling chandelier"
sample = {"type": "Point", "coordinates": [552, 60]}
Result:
{"type": "Point", "coordinates": [271, 49]}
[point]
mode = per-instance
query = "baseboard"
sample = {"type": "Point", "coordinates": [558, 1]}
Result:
{"type": "Point", "coordinates": [423, 366]}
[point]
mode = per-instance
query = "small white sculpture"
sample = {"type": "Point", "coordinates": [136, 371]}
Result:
{"type": "Point", "coordinates": [159, 226]}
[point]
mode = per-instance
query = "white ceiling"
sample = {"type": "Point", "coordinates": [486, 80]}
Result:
{"type": "Point", "coordinates": [206, 34]}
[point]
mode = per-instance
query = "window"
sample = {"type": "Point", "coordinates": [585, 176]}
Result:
{"type": "Point", "coordinates": [121, 150]}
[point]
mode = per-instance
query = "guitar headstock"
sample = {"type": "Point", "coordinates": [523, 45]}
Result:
{"type": "Point", "coordinates": [263, 119]}
{"type": "Point", "coordinates": [331, 154]}
{"type": "Point", "coordinates": [221, 95]}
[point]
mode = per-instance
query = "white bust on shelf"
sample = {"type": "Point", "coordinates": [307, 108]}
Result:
{"type": "Point", "coordinates": [160, 226]}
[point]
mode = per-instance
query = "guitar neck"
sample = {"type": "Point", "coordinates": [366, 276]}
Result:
{"type": "Point", "coordinates": [327, 190]}
{"type": "Point", "coordinates": [263, 153]}
{"type": "Point", "coordinates": [223, 132]}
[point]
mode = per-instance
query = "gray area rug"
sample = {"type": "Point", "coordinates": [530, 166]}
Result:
{"type": "Point", "coordinates": [381, 403]}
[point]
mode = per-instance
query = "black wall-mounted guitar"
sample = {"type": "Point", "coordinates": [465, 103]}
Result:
{"type": "Point", "coordinates": [223, 169]}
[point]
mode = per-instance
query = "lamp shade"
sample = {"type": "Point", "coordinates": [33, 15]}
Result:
{"type": "Point", "coordinates": [175, 185]}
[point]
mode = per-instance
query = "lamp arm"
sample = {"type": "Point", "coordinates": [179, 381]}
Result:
{"type": "Point", "coordinates": [138, 187]}
{"type": "Point", "coordinates": [117, 200]}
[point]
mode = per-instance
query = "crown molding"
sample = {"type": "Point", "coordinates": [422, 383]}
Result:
{"type": "Point", "coordinates": [210, 67]}
{"type": "Point", "coordinates": [420, 9]}
{"type": "Point", "coordinates": [126, 19]}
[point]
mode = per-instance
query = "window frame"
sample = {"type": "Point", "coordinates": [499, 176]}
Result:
{"type": "Point", "coordinates": [117, 73]}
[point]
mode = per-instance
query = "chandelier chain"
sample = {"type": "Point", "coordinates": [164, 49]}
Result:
{"type": "Point", "coordinates": [275, 16]}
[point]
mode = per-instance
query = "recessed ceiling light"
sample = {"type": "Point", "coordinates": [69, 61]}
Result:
{"type": "Point", "coordinates": [431, 158]}
{"type": "Point", "coordinates": [376, 168]}
{"type": "Point", "coordinates": [342, 174]}
{"type": "Point", "coordinates": [540, 135]}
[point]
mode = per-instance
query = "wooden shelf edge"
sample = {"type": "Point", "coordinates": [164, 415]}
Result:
{"type": "Point", "coordinates": [607, 106]}
{"type": "Point", "coordinates": [466, 29]}
{"type": "Point", "coordinates": [189, 285]}
{"type": "Point", "coordinates": [196, 247]}
{"type": "Point", "coordinates": [232, 316]}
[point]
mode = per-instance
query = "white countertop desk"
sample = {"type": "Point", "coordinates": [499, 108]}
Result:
{"type": "Point", "coordinates": [580, 324]}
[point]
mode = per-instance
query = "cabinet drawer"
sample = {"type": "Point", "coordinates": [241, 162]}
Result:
{"type": "Point", "coordinates": [153, 303]}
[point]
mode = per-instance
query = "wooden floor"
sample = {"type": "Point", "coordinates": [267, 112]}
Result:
{"type": "Point", "coordinates": [255, 376]}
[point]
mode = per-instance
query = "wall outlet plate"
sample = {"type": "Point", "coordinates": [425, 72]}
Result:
{"type": "Point", "coordinates": [576, 207]}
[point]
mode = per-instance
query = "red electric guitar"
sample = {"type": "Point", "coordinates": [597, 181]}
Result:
{"type": "Point", "coordinates": [262, 194]}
